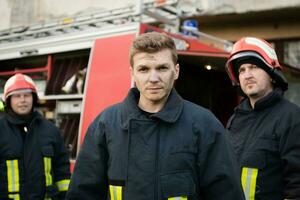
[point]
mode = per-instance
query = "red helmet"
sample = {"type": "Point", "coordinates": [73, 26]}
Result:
{"type": "Point", "coordinates": [18, 82]}
{"type": "Point", "coordinates": [256, 51]}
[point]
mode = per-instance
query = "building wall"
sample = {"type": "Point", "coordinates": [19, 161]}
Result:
{"type": "Point", "coordinates": [233, 30]}
{"type": "Point", "coordinates": [24, 12]}
{"type": "Point", "coordinates": [217, 7]}
{"type": "Point", "coordinates": [5, 9]}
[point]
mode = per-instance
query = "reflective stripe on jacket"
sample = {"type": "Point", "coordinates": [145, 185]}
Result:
{"type": "Point", "coordinates": [35, 165]}
{"type": "Point", "coordinates": [266, 140]}
{"type": "Point", "coordinates": [179, 153]}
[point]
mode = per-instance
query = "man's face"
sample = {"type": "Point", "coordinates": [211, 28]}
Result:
{"type": "Point", "coordinates": [154, 75]}
{"type": "Point", "coordinates": [21, 103]}
{"type": "Point", "coordinates": [254, 81]}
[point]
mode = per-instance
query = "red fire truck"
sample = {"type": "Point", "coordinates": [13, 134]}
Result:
{"type": "Point", "coordinates": [82, 66]}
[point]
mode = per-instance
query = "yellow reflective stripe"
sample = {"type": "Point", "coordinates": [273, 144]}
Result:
{"type": "Point", "coordinates": [249, 176]}
{"type": "Point", "coordinates": [13, 175]}
{"type": "Point", "coordinates": [115, 192]}
{"type": "Point", "coordinates": [63, 185]}
{"type": "Point", "coordinates": [178, 198]}
{"type": "Point", "coordinates": [47, 170]}
{"type": "Point", "coordinates": [14, 196]}
{"type": "Point", "coordinates": [13, 178]}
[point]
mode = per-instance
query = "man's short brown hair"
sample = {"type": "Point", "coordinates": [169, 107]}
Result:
{"type": "Point", "coordinates": [152, 42]}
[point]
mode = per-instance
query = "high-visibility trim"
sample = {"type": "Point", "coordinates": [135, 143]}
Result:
{"type": "Point", "coordinates": [178, 198]}
{"type": "Point", "coordinates": [115, 192]}
{"type": "Point", "coordinates": [249, 177]}
{"type": "Point", "coordinates": [14, 196]}
{"type": "Point", "coordinates": [47, 170]}
{"type": "Point", "coordinates": [13, 179]}
{"type": "Point", "coordinates": [266, 48]}
{"type": "Point", "coordinates": [63, 185]}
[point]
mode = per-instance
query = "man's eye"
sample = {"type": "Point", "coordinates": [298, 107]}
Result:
{"type": "Point", "coordinates": [143, 69]}
{"type": "Point", "coordinates": [162, 68]}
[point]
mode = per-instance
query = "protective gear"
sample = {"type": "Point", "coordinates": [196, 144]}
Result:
{"type": "Point", "coordinates": [2, 106]}
{"type": "Point", "coordinates": [259, 52]}
{"type": "Point", "coordinates": [266, 141]}
{"type": "Point", "coordinates": [18, 82]}
{"type": "Point", "coordinates": [34, 162]}
{"type": "Point", "coordinates": [170, 155]}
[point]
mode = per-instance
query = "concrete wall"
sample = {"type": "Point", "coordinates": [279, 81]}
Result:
{"type": "Point", "coordinates": [24, 12]}
{"type": "Point", "coordinates": [267, 30]}
{"type": "Point", "coordinates": [5, 9]}
{"type": "Point", "coordinates": [215, 7]}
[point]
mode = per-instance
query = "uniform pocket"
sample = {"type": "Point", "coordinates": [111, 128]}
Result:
{"type": "Point", "coordinates": [255, 159]}
{"type": "Point", "coordinates": [48, 151]}
{"type": "Point", "coordinates": [268, 143]}
{"type": "Point", "coordinates": [183, 148]}
{"type": "Point", "coordinates": [178, 185]}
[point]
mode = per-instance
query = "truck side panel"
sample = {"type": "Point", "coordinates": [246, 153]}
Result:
{"type": "Point", "coordinates": [108, 79]}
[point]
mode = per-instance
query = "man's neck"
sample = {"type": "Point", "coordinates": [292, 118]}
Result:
{"type": "Point", "coordinates": [254, 99]}
{"type": "Point", "coordinates": [151, 107]}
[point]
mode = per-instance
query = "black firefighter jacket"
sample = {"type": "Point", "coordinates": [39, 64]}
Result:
{"type": "Point", "coordinates": [33, 160]}
{"type": "Point", "coordinates": [266, 140]}
{"type": "Point", "coordinates": [178, 153]}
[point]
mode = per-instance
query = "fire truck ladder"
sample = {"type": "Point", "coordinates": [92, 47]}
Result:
{"type": "Point", "coordinates": [154, 11]}
{"type": "Point", "coordinates": [166, 12]}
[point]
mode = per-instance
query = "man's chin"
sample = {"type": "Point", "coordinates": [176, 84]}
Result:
{"type": "Point", "coordinates": [23, 112]}
{"type": "Point", "coordinates": [252, 94]}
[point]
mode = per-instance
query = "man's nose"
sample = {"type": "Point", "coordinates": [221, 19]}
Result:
{"type": "Point", "coordinates": [22, 97]}
{"type": "Point", "coordinates": [248, 73]}
{"type": "Point", "coordinates": [154, 77]}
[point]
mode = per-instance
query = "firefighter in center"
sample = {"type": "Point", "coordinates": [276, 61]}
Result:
{"type": "Point", "coordinates": [155, 145]}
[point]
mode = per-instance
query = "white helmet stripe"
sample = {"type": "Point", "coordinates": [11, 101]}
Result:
{"type": "Point", "coordinates": [266, 48]}
{"type": "Point", "coordinates": [9, 83]}
{"type": "Point", "coordinates": [28, 79]}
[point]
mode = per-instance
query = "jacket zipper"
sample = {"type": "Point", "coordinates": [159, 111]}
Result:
{"type": "Point", "coordinates": [156, 166]}
{"type": "Point", "coordinates": [25, 129]}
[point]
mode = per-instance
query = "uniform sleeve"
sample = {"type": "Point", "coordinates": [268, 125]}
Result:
{"type": "Point", "coordinates": [89, 179]}
{"type": "Point", "coordinates": [61, 167]}
{"type": "Point", "coordinates": [289, 146]}
{"type": "Point", "coordinates": [219, 174]}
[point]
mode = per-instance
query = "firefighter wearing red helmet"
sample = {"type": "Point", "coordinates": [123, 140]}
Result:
{"type": "Point", "coordinates": [34, 162]}
{"type": "Point", "coordinates": [265, 127]}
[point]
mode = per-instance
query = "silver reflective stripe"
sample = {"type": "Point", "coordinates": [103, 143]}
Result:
{"type": "Point", "coordinates": [13, 178]}
{"type": "Point", "coordinates": [178, 198]}
{"type": "Point", "coordinates": [63, 185]}
{"type": "Point", "coordinates": [249, 176]}
{"type": "Point", "coordinates": [115, 192]}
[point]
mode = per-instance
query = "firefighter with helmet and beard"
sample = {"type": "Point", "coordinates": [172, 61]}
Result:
{"type": "Point", "coordinates": [265, 127]}
{"type": "Point", "coordinates": [34, 162]}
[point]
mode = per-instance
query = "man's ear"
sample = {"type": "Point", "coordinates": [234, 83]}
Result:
{"type": "Point", "coordinates": [177, 69]}
{"type": "Point", "coordinates": [131, 70]}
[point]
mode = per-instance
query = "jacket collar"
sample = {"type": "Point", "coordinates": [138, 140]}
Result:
{"type": "Point", "coordinates": [13, 119]}
{"type": "Point", "coordinates": [169, 113]}
{"type": "Point", "coordinates": [269, 100]}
